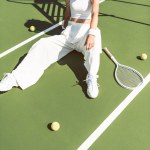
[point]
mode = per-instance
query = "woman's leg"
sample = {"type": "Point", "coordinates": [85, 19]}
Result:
{"type": "Point", "coordinates": [92, 63]}
{"type": "Point", "coordinates": [41, 55]}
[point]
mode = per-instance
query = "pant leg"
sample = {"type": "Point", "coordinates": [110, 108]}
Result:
{"type": "Point", "coordinates": [41, 55]}
{"type": "Point", "coordinates": [92, 56]}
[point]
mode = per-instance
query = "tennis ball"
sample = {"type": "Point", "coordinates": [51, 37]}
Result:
{"type": "Point", "coordinates": [143, 56]}
{"type": "Point", "coordinates": [32, 28]}
{"type": "Point", "coordinates": [55, 126]}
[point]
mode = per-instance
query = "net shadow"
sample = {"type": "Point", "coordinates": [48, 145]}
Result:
{"type": "Point", "coordinates": [117, 17]}
{"type": "Point", "coordinates": [133, 3]}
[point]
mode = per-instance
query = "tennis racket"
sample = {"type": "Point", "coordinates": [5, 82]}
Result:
{"type": "Point", "coordinates": [126, 76]}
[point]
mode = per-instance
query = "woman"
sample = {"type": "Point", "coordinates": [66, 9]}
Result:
{"type": "Point", "coordinates": [81, 34]}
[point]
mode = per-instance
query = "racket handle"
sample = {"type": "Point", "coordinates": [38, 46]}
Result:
{"type": "Point", "coordinates": [105, 49]}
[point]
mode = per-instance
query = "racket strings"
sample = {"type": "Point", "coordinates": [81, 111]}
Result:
{"type": "Point", "coordinates": [128, 77]}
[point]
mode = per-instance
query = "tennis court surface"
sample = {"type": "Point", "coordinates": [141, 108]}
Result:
{"type": "Point", "coordinates": [60, 95]}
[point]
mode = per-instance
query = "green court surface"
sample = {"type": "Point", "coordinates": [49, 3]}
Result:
{"type": "Point", "coordinates": [60, 95]}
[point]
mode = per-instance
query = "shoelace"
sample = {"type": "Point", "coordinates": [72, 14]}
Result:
{"type": "Point", "coordinates": [90, 78]}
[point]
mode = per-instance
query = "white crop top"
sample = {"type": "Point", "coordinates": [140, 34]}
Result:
{"type": "Point", "coordinates": [81, 9]}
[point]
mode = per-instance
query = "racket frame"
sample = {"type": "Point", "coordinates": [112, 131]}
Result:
{"type": "Point", "coordinates": [117, 65]}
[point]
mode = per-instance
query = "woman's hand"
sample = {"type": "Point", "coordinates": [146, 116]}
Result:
{"type": "Point", "coordinates": [89, 43]}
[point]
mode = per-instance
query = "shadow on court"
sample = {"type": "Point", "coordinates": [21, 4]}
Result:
{"type": "Point", "coordinates": [53, 10]}
{"type": "Point", "coordinates": [75, 62]}
{"type": "Point", "coordinates": [133, 3]}
{"type": "Point", "coordinates": [2, 92]}
{"type": "Point", "coordinates": [42, 25]}
{"type": "Point", "coordinates": [117, 17]}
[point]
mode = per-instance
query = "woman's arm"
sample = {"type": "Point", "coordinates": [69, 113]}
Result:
{"type": "Point", "coordinates": [95, 12]}
{"type": "Point", "coordinates": [93, 25]}
{"type": "Point", "coordinates": [67, 13]}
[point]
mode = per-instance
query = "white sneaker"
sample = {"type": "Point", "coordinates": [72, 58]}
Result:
{"type": "Point", "coordinates": [92, 86]}
{"type": "Point", "coordinates": [8, 82]}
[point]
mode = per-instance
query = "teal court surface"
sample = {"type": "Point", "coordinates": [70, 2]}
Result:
{"type": "Point", "coordinates": [60, 95]}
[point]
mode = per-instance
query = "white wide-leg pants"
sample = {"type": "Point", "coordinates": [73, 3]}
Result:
{"type": "Point", "coordinates": [48, 50]}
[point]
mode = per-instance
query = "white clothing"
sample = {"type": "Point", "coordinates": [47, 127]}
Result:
{"type": "Point", "coordinates": [49, 50]}
{"type": "Point", "coordinates": [81, 9]}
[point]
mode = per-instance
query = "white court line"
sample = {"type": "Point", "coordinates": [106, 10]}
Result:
{"type": "Point", "coordinates": [29, 40]}
{"type": "Point", "coordinates": [33, 37]}
{"type": "Point", "coordinates": [100, 1]}
{"type": "Point", "coordinates": [109, 120]}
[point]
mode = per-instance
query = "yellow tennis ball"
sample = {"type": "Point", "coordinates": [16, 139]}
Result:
{"type": "Point", "coordinates": [55, 126]}
{"type": "Point", "coordinates": [143, 56]}
{"type": "Point", "coordinates": [32, 28]}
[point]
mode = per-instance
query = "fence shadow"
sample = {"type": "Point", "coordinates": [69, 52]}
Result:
{"type": "Point", "coordinates": [53, 10]}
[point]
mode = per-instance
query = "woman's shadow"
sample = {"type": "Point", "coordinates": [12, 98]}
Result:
{"type": "Point", "coordinates": [41, 26]}
{"type": "Point", "coordinates": [75, 62]}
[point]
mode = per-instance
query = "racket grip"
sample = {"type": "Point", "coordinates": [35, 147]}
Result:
{"type": "Point", "coordinates": [105, 49]}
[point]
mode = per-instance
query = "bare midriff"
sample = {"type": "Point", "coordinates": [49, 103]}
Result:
{"type": "Point", "coordinates": [80, 20]}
